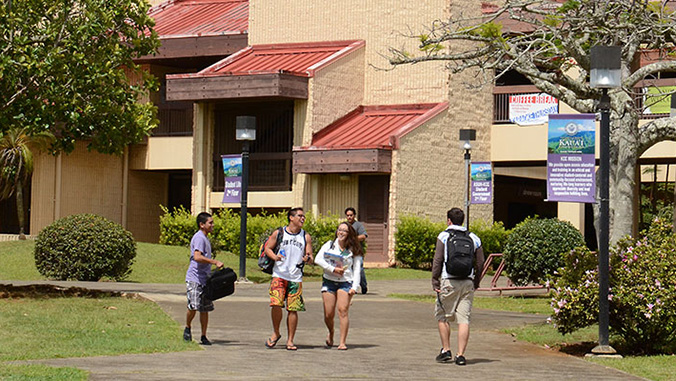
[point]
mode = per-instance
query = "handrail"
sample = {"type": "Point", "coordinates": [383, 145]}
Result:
{"type": "Point", "coordinates": [498, 273]}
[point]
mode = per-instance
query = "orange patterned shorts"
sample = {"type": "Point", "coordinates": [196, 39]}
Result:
{"type": "Point", "coordinates": [292, 292]}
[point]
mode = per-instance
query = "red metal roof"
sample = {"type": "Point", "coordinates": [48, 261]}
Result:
{"type": "Point", "coordinates": [301, 59]}
{"type": "Point", "coordinates": [374, 126]}
{"type": "Point", "coordinates": [186, 18]}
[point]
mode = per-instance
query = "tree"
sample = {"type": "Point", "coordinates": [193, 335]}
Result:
{"type": "Point", "coordinates": [66, 67]}
{"type": "Point", "coordinates": [549, 43]}
{"type": "Point", "coordinates": [16, 165]}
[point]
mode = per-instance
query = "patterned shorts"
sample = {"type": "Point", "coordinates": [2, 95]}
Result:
{"type": "Point", "coordinates": [292, 292]}
{"type": "Point", "coordinates": [196, 299]}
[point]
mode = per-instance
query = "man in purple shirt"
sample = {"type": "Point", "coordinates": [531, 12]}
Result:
{"type": "Point", "coordinates": [196, 277]}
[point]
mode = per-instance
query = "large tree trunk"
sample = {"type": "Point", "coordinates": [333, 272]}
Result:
{"type": "Point", "coordinates": [624, 153]}
{"type": "Point", "coordinates": [19, 209]}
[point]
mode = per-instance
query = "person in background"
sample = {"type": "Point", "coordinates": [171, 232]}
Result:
{"type": "Point", "coordinates": [295, 249]}
{"type": "Point", "coordinates": [196, 277]}
{"type": "Point", "coordinates": [351, 215]}
{"type": "Point", "coordinates": [341, 260]}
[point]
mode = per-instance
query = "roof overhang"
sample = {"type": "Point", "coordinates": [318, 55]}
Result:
{"type": "Point", "coordinates": [174, 47]}
{"type": "Point", "coordinates": [260, 71]}
{"type": "Point", "coordinates": [205, 88]}
{"type": "Point", "coordinates": [342, 161]}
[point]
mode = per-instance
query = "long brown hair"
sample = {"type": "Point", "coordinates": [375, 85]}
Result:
{"type": "Point", "coordinates": [352, 243]}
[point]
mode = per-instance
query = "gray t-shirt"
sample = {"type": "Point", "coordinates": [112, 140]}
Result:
{"type": "Point", "coordinates": [199, 272]}
{"type": "Point", "coordinates": [360, 229]}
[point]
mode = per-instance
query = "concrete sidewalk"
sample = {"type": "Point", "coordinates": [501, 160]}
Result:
{"type": "Point", "coordinates": [388, 339]}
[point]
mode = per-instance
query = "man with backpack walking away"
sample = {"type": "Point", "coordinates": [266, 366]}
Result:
{"type": "Point", "coordinates": [456, 273]}
{"type": "Point", "coordinates": [293, 251]}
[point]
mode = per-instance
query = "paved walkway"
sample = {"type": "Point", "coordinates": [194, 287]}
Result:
{"type": "Point", "coordinates": [389, 339]}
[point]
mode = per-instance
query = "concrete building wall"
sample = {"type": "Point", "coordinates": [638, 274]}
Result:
{"type": "Point", "coordinates": [43, 197]}
{"type": "Point", "coordinates": [147, 191]}
{"type": "Point", "coordinates": [380, 23]}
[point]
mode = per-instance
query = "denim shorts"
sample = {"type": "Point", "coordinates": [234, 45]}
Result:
{"type": "Point", "coordinates": [333, 287]}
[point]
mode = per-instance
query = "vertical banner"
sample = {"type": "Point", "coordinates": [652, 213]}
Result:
{"type": "Point", "coordinates": [482, 190]}
{"type": "Point", "coordinates": [232, 169]}
{"type": "Point", "coordinates": [570, 158]}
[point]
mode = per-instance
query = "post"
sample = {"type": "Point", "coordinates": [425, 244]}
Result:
{"type": "Point", "coordinates": [604, 226]}
{"type": "Point", "coordinates": [468, 157]}
{"type": "Point", "coordinates": [243, 210]}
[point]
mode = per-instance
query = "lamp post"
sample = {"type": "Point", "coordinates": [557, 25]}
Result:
{"type": "Point", "coordinates": [467, 135]}
{"type": "Point", "coordinates": [605, 74]}
{"type": "Point", "coordinates": [245, 130]}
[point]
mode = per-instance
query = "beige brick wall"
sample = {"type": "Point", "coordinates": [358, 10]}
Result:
{"type": "Point", "coordinates": [147, 191]}
{"type": "Point", "coordinates": [380, 23]}
{"type": "Point", "coordinates": [334, 91]}
{"type": "Point", "coordinates": [42, 193]}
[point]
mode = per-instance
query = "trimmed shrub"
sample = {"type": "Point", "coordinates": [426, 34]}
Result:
{"type": "Point", "coordinates": [493, 236]}
{"type": "Point", "coordinates": [642, 295]}
{"type": "Point", "coordinates": [416, 239]}
{"type": "Point", "coordinates": [84, 247]}
{"type": "Point", "coordinates": [321, 229]}
{"type": "Point", "coordinates": [176, 227]}
{"type": "Point", "coordinates": [536, 248]}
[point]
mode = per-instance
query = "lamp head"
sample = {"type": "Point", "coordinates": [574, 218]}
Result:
{"type": "Point", "coordinates": [606, 67]}
{"type": "Point", "coordinates": [467, 146]}
{"type": "Point", "coordinates": [245, 128]}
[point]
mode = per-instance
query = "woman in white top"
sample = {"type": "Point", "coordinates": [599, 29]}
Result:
{"type": "Point", "coordinates": [341, 260]}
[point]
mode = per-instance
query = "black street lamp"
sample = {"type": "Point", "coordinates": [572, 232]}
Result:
{"type": "Point", "coordinates": [606, 73]}
{"type": "Point", "coordinates": [245, 130]}
{"type": "Point", "coordinates": [467, 135]}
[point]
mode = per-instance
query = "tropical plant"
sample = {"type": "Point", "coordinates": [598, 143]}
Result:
{"type": "Point", "coordinates": [16, 165]}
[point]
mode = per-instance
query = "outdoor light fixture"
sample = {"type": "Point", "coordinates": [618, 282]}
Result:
{"type": "Point", "coordinates": [606, 70]}
{"type": "Point", "coordinates": [245, 130]}
{"type": "Point", "coordinates": [467, 135]}
{"type": "Point", "coordinates": [605, 74]}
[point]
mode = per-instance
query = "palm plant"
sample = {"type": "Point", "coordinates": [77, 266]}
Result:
{"type": "Point", "coordinates": [16, 164]}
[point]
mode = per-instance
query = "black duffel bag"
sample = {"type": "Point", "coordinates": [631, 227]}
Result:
{"type": "Point", "coordinates": [220, 283]}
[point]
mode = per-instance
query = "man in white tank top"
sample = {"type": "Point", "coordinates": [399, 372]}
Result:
{"type": "Point", "coordinates": [295, 249]}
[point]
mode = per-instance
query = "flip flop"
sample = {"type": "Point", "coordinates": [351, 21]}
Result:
{"type": "Point", "coordinates": [271, 343]}
{"type": "Point", "coordinates": [327, 344]}
{"type": "Point", "coordinates": [342, 348]}
{"type": "Point", "coordinates": [291, 348]}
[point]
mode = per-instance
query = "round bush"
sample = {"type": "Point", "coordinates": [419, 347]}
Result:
{"type": "Point", "coordinates": [535, 249]}
{"type": "Point", "coordinates": [84, 247]}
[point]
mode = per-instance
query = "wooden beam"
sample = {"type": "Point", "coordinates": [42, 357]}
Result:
{"type": "Point", "coordinates": [342, 161]}
{"type": "Point", "coordinates": [274, 85]}
{"type": "Point", "coordinates": [198, 46]}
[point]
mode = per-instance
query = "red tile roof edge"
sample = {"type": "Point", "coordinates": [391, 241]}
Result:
{"type": "Point", "coordinates": [350, 46]}
{"type": "Point", "coordinates": [415, 123]}
{"type": "Point", "coordinates": [177, 36]}
{"type": "Point", "coordinates": [434, 110]}
{"type": "Point", "coordinates": [166, 4]}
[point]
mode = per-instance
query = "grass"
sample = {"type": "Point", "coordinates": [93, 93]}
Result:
{"type": "Point", "coordinates": [79, 327]}
{"type": "Point", "coordinates": [167, 264]}
{"type": "Point", "coordinates": [658, 368]}
{"type": "Point", "coordinates": [530, 305]}
{"type": "Point", "coordinates": [41, 372]}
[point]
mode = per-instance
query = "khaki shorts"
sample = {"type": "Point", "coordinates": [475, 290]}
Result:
{"type": "Point", "coordinates": [454, 302]}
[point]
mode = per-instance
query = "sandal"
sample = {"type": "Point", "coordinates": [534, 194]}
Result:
{"type": "Point", "coordinates": [342, 348]}
{"type": "Point", "coordinates": [271, 343]}
{"type": "Point", "coordinates": [328, 343]}
{"type": "Point", "coordinates": [291, 348]}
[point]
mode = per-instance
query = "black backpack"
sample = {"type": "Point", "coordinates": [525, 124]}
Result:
{"type": "Point", "coordinates": [264, 262]}
{"type": "Point", "coordinates": [460, 254]}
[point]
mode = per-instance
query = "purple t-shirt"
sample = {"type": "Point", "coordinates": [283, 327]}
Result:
{"type": "Point", "coordinates": [198, 272]}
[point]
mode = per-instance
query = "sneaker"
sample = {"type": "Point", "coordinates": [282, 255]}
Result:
{"type": "Point", "coordinates": [444, 356]}
{"type": "Point", "coordinates": [460, 360]}
{"type": "Point", "coordinates": [205, 341]}
{"type": "Point", "coordinates": [187, 336]}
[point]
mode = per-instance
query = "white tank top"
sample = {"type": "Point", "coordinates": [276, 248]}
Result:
{"type": "Point", "coordinates": [292, 248]}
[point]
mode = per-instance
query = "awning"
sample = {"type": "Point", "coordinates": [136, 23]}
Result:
{"type": "Point", "coordinates": [260, 71]}
{"type": "Point", "coordinates": [363, 140]}
{"type": "Point", "coordinates": [200, 28]}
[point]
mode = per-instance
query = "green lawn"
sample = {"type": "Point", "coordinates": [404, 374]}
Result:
{"type": "Point", "coordinates": [167, 264]}
{"type": "Point", "coordinates": [78, 327]}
